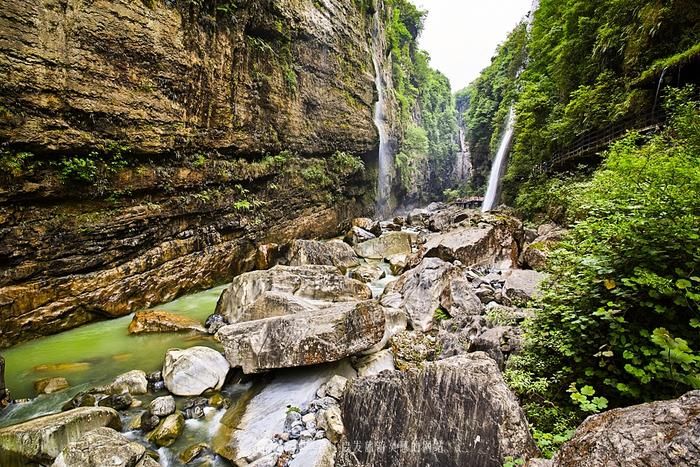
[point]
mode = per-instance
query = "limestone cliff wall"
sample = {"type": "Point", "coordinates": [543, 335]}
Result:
{"type": "Point", "coordinates": [140, 146]}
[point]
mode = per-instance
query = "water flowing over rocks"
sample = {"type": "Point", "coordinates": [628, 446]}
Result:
{"type": "Point", "coordinates": [192, 371]}
{"type": "Point", "coordinates": [307, 282]}
{"type": "Point", "coordinates": [104, 447]}
{"type": "Point", "coordinates": [168, 430]}
{"type": "Point", "coordinates": [454, 412]}
{"type": "Point", "coordinates": [162, 321]}
{"type": "Point", "coordinates": [662, 433]}
{"type": "Point", "coordinates": [326, 335]}
{"type": "Point", "coordinates": [248, 428]}
{"type": "Point", "coordinates": [42, 439]}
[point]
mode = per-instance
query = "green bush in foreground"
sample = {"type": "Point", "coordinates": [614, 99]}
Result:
{"type": "Point", "coordinates": [620, 316]}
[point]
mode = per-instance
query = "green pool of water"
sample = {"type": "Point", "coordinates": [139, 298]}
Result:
{"type": "Point", "coordinates": [94, 354]}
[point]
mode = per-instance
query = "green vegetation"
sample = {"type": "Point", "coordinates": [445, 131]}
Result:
{"type": "Point", "coordinates": [426, 106]}
{"type": "Point", "coordinates": [101, 163]}
{"type": "Point", "coordinates": [620, 315]}
{"type": "Point", "coordinates": [589, 65]}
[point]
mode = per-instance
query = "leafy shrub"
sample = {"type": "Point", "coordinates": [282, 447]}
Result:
{"type": "Point", "coordinates": [620, 314]}
{"type": "Point", "coordinates": [345, 164]}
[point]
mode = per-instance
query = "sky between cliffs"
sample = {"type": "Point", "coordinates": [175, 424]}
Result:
{"type": "Point", "coordinates": [461, 36]}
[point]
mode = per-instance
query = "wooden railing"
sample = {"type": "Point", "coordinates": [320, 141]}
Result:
{"type": "Point", "coordinates": [594, 142]}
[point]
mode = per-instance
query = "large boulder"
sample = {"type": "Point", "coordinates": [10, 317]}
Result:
{"type": "Point", "coordinates": [104, 447]}
{"type": "Point", "coordinates": [429, 286]}
{"type": "Point", "coordinates": [192, 371]}
{"type": "Point", "coordinates": [389, 244]}
{"type": "Point", "coordinates": [522, 285]}
{"type": "Point", "coordinates": [168, 430]}
{"type": "Point", "coordinates": [246, 430]}
{"type": "Point", "coordinates": [326, 335]}
{"type": "Point", "coordinates": [332, 253]}
{"type": "Point", "coordinates": [133, 382]}
{"type": "Point", "coordinates": [307, 282]}
{"type": "Point", "coordinates": [488, 244]}
{"type": "Point", "coordinates": [454, 412]}
{"type": "Point", "coordinates": [152, 321]}
{"type": "Point", "coordinates": [42, 439]}
{"type": "Point", "coordinates": [535, 253]}
{"type": "Point", "coordinates": [658, 433]}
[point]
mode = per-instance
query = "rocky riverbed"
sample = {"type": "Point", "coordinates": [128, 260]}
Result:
{"type": "Point", "coordinates": [382, 349]}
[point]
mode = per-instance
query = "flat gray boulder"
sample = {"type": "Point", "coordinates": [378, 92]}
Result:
{"type": "Point", "coordinates": [658, 433]}
{"type": "Point", "coordinates": [311, 282]}
{"type": "Point", "coordinates": [104, 447]}
{"type": "Point", "coordinates": [192, 371]}
{"type": "Point", "coordinates": [326, 335]}
{"type": "Point", "coordinates": [332, 253]}
{"type": "Point", "coordinates": [42, 439]}
{"type": "Point", "coordinates": [386, 246]}
{"type": "Point", "coordinates": [454, 412]}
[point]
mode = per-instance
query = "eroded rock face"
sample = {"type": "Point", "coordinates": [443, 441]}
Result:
{"type": "Point", "coordinates": [199, 96]}
{"type": "Point", "coordinates": [657, 433]}
{"type": "Point", "coordinates": [155, 321]}
{"type": "Point", "coordinates": [326, 335]}
{"type": "Point", "coordinates": [192, 371]}
{"type": "Point", "coordinates": [42, 439]}
{"type": "Point", "coordinates": [332, 253]}
{"type": "Point", "coordinates": [103, 447]}
{"type": "Point", "coordinates": [454, 412]}
{"type": "Point", "coordinates": [209, 99]}
{"type": "Point", "coordinates": [304, 282]}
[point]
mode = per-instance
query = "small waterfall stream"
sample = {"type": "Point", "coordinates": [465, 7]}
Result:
{"type": "Point", "coordinates": [499, 164]}
{"type": "Point", "coordinates": [385, 156]}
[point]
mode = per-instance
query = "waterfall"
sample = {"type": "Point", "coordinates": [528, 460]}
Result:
{"type": "Point", "coordinates": [385, 155]}
{"type": "Point", "coordinates": [658, 91]}
{"type": "Point", "coordinates": [463, 164]}
{"type": "Point", "coordinates": [499, 165]}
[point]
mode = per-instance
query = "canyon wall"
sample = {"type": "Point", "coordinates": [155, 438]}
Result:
{"type": "Point", "coordinates": [149, 148]}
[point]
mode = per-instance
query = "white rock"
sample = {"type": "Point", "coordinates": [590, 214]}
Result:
{"type": "Point", "coordinates": [319, 453]}
{"type": "Point", "coordinates": [133, 382]}
{"type": "Point", "coordinates": [332, 422]}
{"type": "Point", "coordinates": [163, 406]}
{"type": "Point", "coordinates": [336, 386]}
{"type": "Point", "coordinates": [191, 372]}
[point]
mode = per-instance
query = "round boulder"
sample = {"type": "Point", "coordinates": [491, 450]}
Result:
{"type": "Point", "coordinates": [192, 371]}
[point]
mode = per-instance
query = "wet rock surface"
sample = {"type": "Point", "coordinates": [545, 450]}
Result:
{"type": "Point", "coordinates": [454, 412]}
{"type": "Point", "coordinates": [50, 385]}
{"type": "Point", "coordinates": [155, 321]}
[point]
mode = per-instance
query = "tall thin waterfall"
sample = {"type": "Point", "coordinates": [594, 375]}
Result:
{"type": "Point", "coordinates": [386, 161]}
{"type": "Point", "coordinates": [499, 164]}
